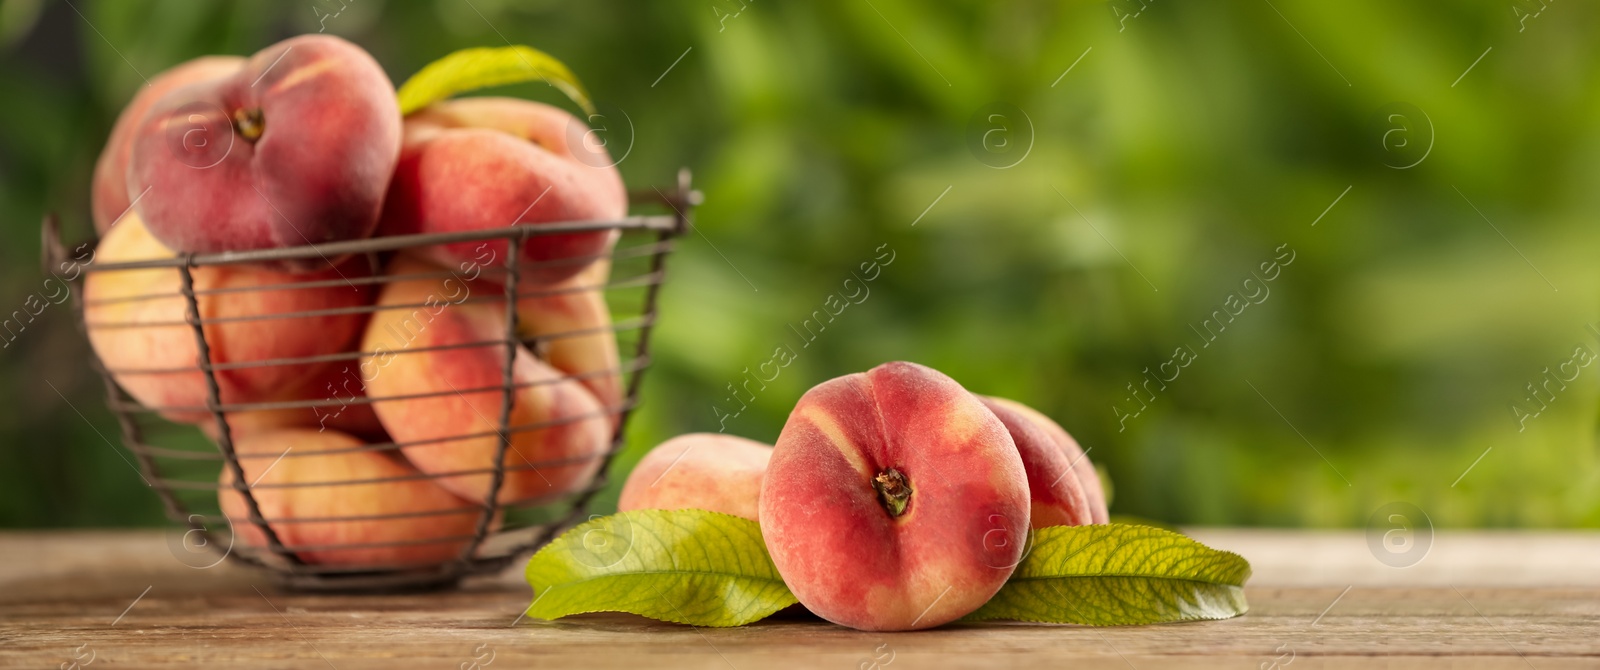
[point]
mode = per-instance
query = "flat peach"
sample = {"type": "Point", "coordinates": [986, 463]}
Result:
{"type": "Point", "coordinates": [109, 195]}
{"type": "Point", "coordinates": [1050, 452]}
{"type": "Point", "coordinates": [137, 324]}
{"type": "Point", "coordinates": [332, 503]}
{"type": "Point", "coordinates": [894, 500]}
{"type": "Point", "coordinates": [484, 163]}
{"type": "Point", "coordinates": [573, 322]}
{"type": "Point", "coordinates": [434, 368]}
{"type": "Point", "coordinates": [709, 471]}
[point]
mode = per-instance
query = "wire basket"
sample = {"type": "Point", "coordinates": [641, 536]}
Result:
{"type": "Point", "coordinates": [183, 467]}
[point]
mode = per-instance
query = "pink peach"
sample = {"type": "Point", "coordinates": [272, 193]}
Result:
{"type": "Point", "coordinates": [109, 194]}
{"type": "Point", "coordinates": [295, 147]}
{"type": "Point", "coordinates": [709, 471]}
{"type": "Point", "coordinates": [485, 163]}
{"type": "Point", "coordinates": [332, 503]}
{"type": "Point", "coordinates": [1065, 487]}
{"type": "Point", "coordinates": [341, 407]}
{"type": "Point", "coordinates": [138, 324]}
{"type": "Point", "coordinates": [434, 368]}
{"type": "Point", "coordinates": [573, 324]}
{"type": "Point", "coordinates": [894, 500]}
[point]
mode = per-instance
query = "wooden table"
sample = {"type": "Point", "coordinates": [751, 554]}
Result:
{"type": "Point", "coordinates": [1318, 599]}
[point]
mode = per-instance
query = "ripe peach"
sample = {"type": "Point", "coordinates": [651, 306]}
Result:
{"type": "Point", "coordinates": [1050, 454]}
{"type": "Point", "coordinates": [109, 194]}
{"type": "Point", "coordinates": [137, 324]}
{"type": "Point", "coordinates": [575, 323]}
{"type": "Point", "coordinates": [295, 147]}
{"type": "Point", "coordinates": [347, 412]}
{"type": "Point", "coordinates": [434, 368]}
{"type": "Point", "coordinates": [894, 500]}
{"type": "Point", "coordinates": [481, 163]}
{"type": "Point", "coordinates": [300, 476]}
{"type": "Point", "coordinates": [352, 414]}
{"type": "Point", "coordinates": [709, 471]}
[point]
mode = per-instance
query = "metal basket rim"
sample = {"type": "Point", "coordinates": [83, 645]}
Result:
{"type": "Point", "coordinates": [665, 223]}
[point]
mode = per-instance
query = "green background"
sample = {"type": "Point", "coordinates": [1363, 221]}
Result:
{"type": "Point", "coordinates": [1185, 145]}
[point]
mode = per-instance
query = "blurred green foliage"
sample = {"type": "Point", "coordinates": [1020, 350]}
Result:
{"type": "Point", "coordinates": [1187, 142]}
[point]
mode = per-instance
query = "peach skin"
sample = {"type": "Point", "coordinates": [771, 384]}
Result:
{"type": "Point", "coordinates": [482, 163]}
{"type": "Point", "coordinates": [109, 194]}
{"type": "Point", "coordinates": [296, 147]}
{"type": "Point", "coordinates": [1050, 452]}
{"type": "Point", "coordinates": [573, 322]}
{"type": "Point", "coordinates": [345, 410]}
{"type": "Point", "coordinates": [435, 355]}
{"type": "Point", "coordinates": [709, 471]}
{"type": "Point", "coordinates": [137, 324]}
{"type": "Point", "coordinates": [301, 476]}
{"type": "Point", "coordinates": [894, 500]}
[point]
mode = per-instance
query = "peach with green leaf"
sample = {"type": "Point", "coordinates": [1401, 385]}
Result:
{"type": "Point", "coordinates": [894, 500]}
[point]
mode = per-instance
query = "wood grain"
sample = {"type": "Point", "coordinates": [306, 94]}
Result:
{"type": "Point", "coordinates": [1318, 600]}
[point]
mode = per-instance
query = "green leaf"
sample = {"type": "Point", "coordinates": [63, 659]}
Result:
{"type": "Point", "coordinates": [1131, 520]}
{"type": "Point", "coordinates": [482, 67]}
{"type": "Point", "coordinates": [686, 566]}
{"type": "Point", "coordinates": [1115, 575]}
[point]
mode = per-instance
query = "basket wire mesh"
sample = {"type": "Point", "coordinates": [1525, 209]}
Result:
{"type": "Point", "coordinates": [181, 465]}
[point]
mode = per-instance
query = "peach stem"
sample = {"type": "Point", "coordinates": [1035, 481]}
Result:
{"type": "Point", "coordinates": [249, 123]}
{"type": "Point", "coordinates": [894, 490]}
